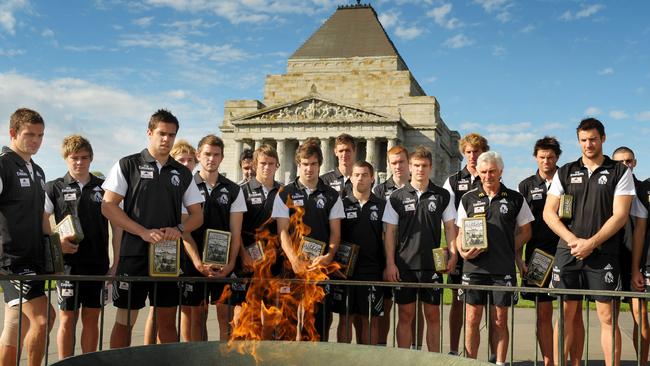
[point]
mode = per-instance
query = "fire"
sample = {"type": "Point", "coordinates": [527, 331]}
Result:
{"type": "Point", "coordinates": [280, 308]}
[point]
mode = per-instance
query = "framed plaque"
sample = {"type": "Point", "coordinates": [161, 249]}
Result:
{"type": "Point", "coordinates": [53, 254]}
{"type": "Point", "coordinates": [164, 258]}
{"type": "Point", "coordinates": [346, 256]}
{"type": "Point", "coordinates": [474, 233]}
{"type": "Point", "coordinates": [216, 247]}
{"type": "Point", "coordinates": [566, 207]}
{"type": "Point", "coordinates": [255, 251]}
{"type": "Point", "coordinates": [70, 226]}
{"type": "Point", "coordinates": [440, 259]}
{"type": "Point", "coordinates": [539, 267]}
{"type": "Point", "coordinates": [311, 248]}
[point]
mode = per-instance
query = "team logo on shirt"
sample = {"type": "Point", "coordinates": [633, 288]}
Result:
{"type": "Point", "coordinates": [223, 199]}
{"type": "Point", "coordinates": [602, 179]}
{"type": "Point", "coordinates": [175, 172]}
{"type": "Point", "coordinates": [374, 216]}
{"type": "Point", "coordinates": [609, 277]}
{"type": "Point", "coordinates": [320, 202]}
{"type": "Point", "coordinates": [503, 209]}
{"type": "Point", "coordinates": [176, 180]}
{"type": "Point", "coordinates": [97, 197]}
{"type": "Point", "coordinates": [432, 206]}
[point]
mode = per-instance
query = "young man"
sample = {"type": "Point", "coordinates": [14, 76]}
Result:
{"type": "Point", "coordinates": [362, 226]}
{"type": "Point", "coordinates": [154, 188]}
{"type": "Point", "coordinates": [508, 228]}
{"type": "Point", "coordinates": [322, 213]}
{"type": "Point", "coordinates": [470, 146]}
{"type": "Point", "coordinates": [246, 165]}
{"type": "Point", "coordinates": [345, 149]}
{"type": "Point", "coordinates": [22, 197]}
{"type": "Point", "coordinates": [398, 161]}
{"type": "Point", "coordinates": [414, 217]}
{"type": "Point", "coordinates": [635, 252]}
{"type": "Point", "coordinates": [79, 193]}
{"type": "Point", "coordinates": [587, 253]}
{"type": "Point", "coordinates": [223, 209]}
{"type": "Point", "coordinates": [546, 152]}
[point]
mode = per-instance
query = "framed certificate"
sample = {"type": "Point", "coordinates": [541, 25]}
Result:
{"type": "Point", "coordinates": [164, 258]}
{"type": "Point", "coordinates": [256, 251]}
{"type": "Point", "coordinates": [474, 233]}
{"type": "Point", "coordinates": [346, 256]}
{"type": "Point", "coordinates": [539, 267]}
{"type": "Point", "coordinates": [311, 248]}
{"type": "Point", "coordinates": [440, 259]}
{"type": "Point", "coordinates": [53, 254]}
{"type": "Point", "coordinates": [566, 207]}
{"type": "Point", "coordinates": [70, 226]}
{"type": "Point", "coordinates": [216, 247]}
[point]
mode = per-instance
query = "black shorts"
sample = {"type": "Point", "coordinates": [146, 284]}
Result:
{"type": "Point", "coordinates": [625, 268]}
{"type": "Point", "coordinates": [455, 277]}
{"type": "Point", "coordinates": [533, 295]}
{"type": "Point", "coordinates": [166, 293]}
{"type": "Point", "coordinates": [236, 293]}
{"type": "Point", "coordinates": [29, 289]}
{"type": "Point", "coordinates": [646, 278]}
{"type": "Point", "coordinates": [480, 297]}
{"type": "Point", "coordinates": [359, 299]}
{"type": "Point", "coordinates": [597, 272]}
{"type": "Point", "coordinates": [194, 292]}
{"type": "Point", "coordinates": [431, 296]}
{"type": "Point", "coordinates": [73, 294]}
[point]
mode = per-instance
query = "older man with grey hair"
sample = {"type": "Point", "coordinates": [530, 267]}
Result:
{"type": "Point", "coordinates": [507, 218]}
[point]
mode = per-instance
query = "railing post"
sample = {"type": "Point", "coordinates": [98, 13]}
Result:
{"type": "Point", "coordinates": [512, 327]}
{"type": "Point", "coordinates": [348, 334]}
{"type": "Point", "coordinates": [416, 334]}
{"type": "Point", "coordinates": [614, 325]}
{"type": "Point", "coordinates": [47, 322]}
{"type": "Point", "coordinates": [442, 317]}
{"type": "Point", "coordinates": [586, 344]}
{"type": "Point", "coordinates": [178, 314]}
{"type": "Point", "coordinates": [102, 302]}
{"type": "Point", "coordinates": [394, 317]}
{"type": "Point", "coordinates": [20, 322]}
{"type": "Point", "coordinates": [464, 323]}
{"type": "Point", "coordinates": [560, 331]}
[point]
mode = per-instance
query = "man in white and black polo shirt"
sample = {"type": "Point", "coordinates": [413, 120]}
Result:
{"type": "Point", "coordinates": [508, 220]}
{"type": "Point", "coordinates": [154, 188]}
{"type": "Point", "coordinates": [587, 253]}
{"type": "Point", "coordinates": [414, 216]}
{"type": "Point", "coordinates": [323, 211]}
{"type": "Point", "coordinates": [470, 146]}
{"type": "Point", "coordinates": [345, 149]}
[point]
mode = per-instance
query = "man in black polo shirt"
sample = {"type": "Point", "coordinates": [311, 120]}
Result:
{"type": "Point", "coordinates": [398, 160]}
{"type": "Point", "coordinates": [362, 226]}
{"type": "Point", "coordinates": [246, 165]}
{"type": "Point", "coordinates": [79, 193]}
{"type": "Point", "coordinates": [508, 220]}
{"type": "Point", "coordinates": [414, 216]}
{"type": "Point", "coordinates": [22, 195]}
{"type": "Point", "coordinates": [323, 211]}
{"type": "Point", "coordinates": [587, 253]}
{"type": "Point", "coordinates": [546, 152]}
{"type": "Point", "coordinates": [223, 209]}
{"type": "Point", "coordinates": [345, 149]}
{"type": "Point", "coordinates": [471, 146]}
{"type": "Point", "coordinates": [154, 188]}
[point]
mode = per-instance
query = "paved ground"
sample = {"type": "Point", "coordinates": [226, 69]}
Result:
{"type": "Point", "coordinates": [524, 336]}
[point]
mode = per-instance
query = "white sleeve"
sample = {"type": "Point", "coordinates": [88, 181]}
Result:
{"type": "Point", "coordinates": [240, 203]}
{"type": "Point", "coordinates": [450, 212]}
{"type": "Point", "coordinates": [625, 186]}
{"type": "Point", "coordinates": [460, 215]}
{"type": "Point", "coordinates": [49, 206]}
{"type": "Point", "coordinates": [390, 216]}
{"type": "Point", "coordinates": [184, 210]}
{"type": "Point", "coordinates": [337, 210]}
{"type": "Point", "coordinates": [525, 215]}
{"type": "Point", "coordinates": [447, 186]}
{"type": "Point", "coordinates": [192, 195]}
{"type": "Point", "coordinates": [638, 210]}
{"type": "Point", "coordinates": [280, 209]}
{"type": "Point", "coordinates": [1, 186]}
{"type": "Point", "coordinates": [115, 181]}
{"type": "Point", "coordinates": [556, 187]}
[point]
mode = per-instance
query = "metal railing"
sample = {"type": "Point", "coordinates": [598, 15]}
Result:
{"type": "Point", "coordinates": [375, 286]}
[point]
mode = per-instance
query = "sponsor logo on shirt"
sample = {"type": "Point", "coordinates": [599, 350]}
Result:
{"type": "Point", "coordinates": [22, 173]}
{"type": "Point", "coordinates": [24, 182]}
{"type": "Point", "coordinates": [409, 207]}
{"type": "Point", "coordinates": [351, 215]}
{"type": "Point", "coordinates": [463, 187]}
{"type": "Point", "coordinates": [537, 196]}
{"type": "Point", "coordinates": [256, 200]}
{"type": "Point", "coordinates": [576, 180]}
{"type": "Point", "coordinates": [72, 196]}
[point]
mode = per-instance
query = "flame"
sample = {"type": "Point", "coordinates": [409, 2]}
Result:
{"type": "Point", "coordinates": [280, 308]}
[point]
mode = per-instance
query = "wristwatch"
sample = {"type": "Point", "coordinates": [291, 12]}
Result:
{"type": "Point", "coordinates": [180, 227]}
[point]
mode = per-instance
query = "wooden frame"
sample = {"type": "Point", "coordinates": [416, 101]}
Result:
{"type": "Point", "coordinates": [256, 251]}
{"type": "Point", "coordinates": [474, 233]}
{"type": "Point", "coordinates": [216, 247]}
{"type": "Point", "coordinates": [539, 268]}
{"type": "Point", "coordinates": [440, 259]}
{"type": "Point", "coordinates": [346, 256]}
{"type": "Point", "coordinates": [565, 211]}
{"type": "Point", "coordinates": [70, 226]}
{"type": "Point", "coordinates": [311, 248]}
{"type": "Point", "coordinates": [53, 254]}
{"type": "Point", "coordinates": [164, 258]}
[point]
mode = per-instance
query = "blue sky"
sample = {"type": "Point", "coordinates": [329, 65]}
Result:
{"type": "Point", "coordinates": [511, 70]}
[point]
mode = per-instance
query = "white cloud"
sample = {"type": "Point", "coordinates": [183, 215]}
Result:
{"type": "Point", "coordinates": [8, 8]}
{"type": "Point", "coordinates": [527, 29]}
{"type": "Point", "coordinates": [618, 114]}
{"type": "Point", "coordinates": [87, 48]}
{"type": "Point", "coordinates": [440, 16]}
{"type": "Point", "coordinates": [408, 33]}
{"type": "Point", "coordinates": [511, 139]}
{"type": "Point", "coordinates": [389, 19]}
{"type": "Point", "coordinates": [585, 12]}
{"type": "Point", "coordinates": [11, 52]}
{"type": "Point", "coordinates": [643, 116]}
{"type": "Point", "coordinates": [606, 71]}
{"type": "Point", "coordinates": [47, 33]}
{"type": "Point", "coordinates": [458, 41]}
{"type": "Point", "coordinates": [640, 90]}
{"type": "Point", "coordinates": [431, 79]}
{"type": "Point", "coordinates": [499, 7]}
{"type": "Point", "coordinates": [143, 22]}
{"type": "Point", "coordinates": [592, 111]}
{"type": "Point", "coordinates": [498, 51]}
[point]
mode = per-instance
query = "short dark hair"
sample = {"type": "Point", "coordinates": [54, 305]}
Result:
{"type": "Point", "coordinates": [345, 139]}
{"type": "Point", "coordinates": [548, 143]}
{"type": "Point", "coordinates": [162, 116]}
{"type": "Point", "coordinates": [623, 149]}
{"type": "Point", "coordinates": [247, 154]}
{"type": "Point", "coordinates": [364, 164]}
{"type": "Point", "coordinates": [308, 149]}
{"type": "Point", "coordinates": [210, 140]}
{"type": "Point", "coordinates": [23, 116]}
{"type": "Point", "coordinates": [590, 124]}
{"type": "Point", "coordinates": [423, 153]}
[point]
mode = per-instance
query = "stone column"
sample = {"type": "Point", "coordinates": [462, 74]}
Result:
{"type": "Point", "coordinates": [239, 147]}
{"type": "Point", "coordinates": [391, 144]}
{"type": "Point", "coordinates": [327, 161]}
{"type": "Point", "coordinates": [279, 174]}
{"type": "Point", "coordinates": [258, 143]}
{"type": "Point", "coordinates": [371, 151]}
